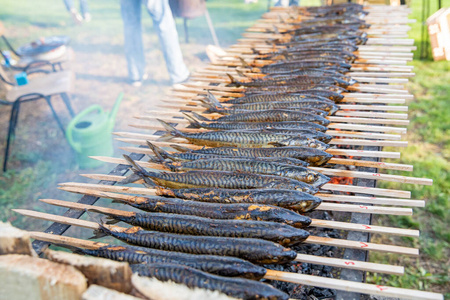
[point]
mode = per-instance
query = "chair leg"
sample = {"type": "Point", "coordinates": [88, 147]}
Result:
{"type": "Point", "coordinates": [48, 99]}
{"type": "Point", "coordinates": [11, 131]}
{"type": "Point", "coordinates": [66, 100]}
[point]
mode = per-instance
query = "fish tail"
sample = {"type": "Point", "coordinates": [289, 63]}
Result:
{"type": "Point", "coordinates": [199, 117]}
{"type": "Point", "coordinates": [210, 107]}
{"type": "Point", "coordinates": [171, 131]}
{"type": "Point", "coordinates": [130, 179]}
{"type": "Point", "coordinates": [161, 155]}
{"type": "Point", "coordinates": [109, 217]}
{"type": "Point", "coordinates": [138, 170]}
{"type": "Point", "coordinates": [102, 231]}
{"type": "Point", "coordinates": [193, 122]}
{"type": "Point", "coordinates": [275, 29]}
{"type": "Point", "coordinates": [244, 63]}
{"type": "Point", "coordinates": [180, 148]}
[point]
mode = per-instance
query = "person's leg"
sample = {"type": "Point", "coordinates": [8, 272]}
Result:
{"type": "Point", "coordinates": [69, 4]}
{"type": "Point", "coordinates": [134, 49]}
{"type": "Point", "coordinates": [84, 9]}
{"type": "Point", "coordinates": [164, 23]}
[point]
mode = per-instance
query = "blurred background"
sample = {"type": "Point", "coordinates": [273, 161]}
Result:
{"type": "Point", "coordinates": [41, 157]}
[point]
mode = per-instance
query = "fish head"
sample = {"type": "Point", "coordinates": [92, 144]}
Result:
{"type": "Point", "coordinates": [318, 145]}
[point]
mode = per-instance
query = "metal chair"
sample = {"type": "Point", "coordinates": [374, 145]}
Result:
{"type": "Point", "coordinates": [27, 64]}
{"type": "Point", "coordinates": [39, 87]}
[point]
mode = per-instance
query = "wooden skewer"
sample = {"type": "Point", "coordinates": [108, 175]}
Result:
{"type": "Point", "coordinates": [339, 133]}
{"type": "Point", "coordinates": [338, 161]}
{"type": "Point", "coordinates": [335, 262]}
{"type": "Point", "coordinates": [310, 240]}
{"type": "Point", "coordinates": [154, 115]}
{"type": "Point", "coordinates": [314, 222]}
{"type": "Point", "coordinates": [337, 187]}
{"type": "Point", "coordinates": [357, 153]}
{"type": "Point", "coordinates": [325, 171]}
{"type": "Point", "coordinates": [343, 126]}
{"type": "Point", "coordinates": [324, 197]}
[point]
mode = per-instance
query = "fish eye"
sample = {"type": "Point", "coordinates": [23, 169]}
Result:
{"type": "Point", "coordinates": [310, 178]}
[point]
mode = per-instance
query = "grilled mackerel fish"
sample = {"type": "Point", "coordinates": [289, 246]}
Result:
{"type": "Point", "coordinates": [220, 179]}
{"type": "Point", "coordinates": [281, 233]}
{"type": "Point", "coordinates": [219, 265]}
{"type": "Point", "coordinates": [253, 125]}
{"type": "Point", "coordinates": [306, 175]}
{"type": "Point", "coordinates": [162, 156]}
{"type": "Point", "coordinates": [313, 156]}
{"type": "Point", "coordinates": [235, 287]}
{"type": "Point", "coordinates": [272, 115]}
{"type": "Point", "coordinates": [242, 138]}
{"type": "Point", "coordinates": [254, 250]}
{"type": "Point", "coordinates": [294, 200]}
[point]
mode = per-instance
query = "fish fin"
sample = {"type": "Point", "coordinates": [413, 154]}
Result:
{"type": "Point", "coordinates": [192, 121]}
{"type": "Point", "coordinates": [199, 117]}
{"type": "Point", "coordinates": [233, 82]}
{"type": "Point", "coordinates": [209, 106]}
{"type": "Point", "coordinates": [275, 29]}
{"type": "Point", "coordinates": [138, 170]}
{"type": "Point", "coordinates": [240, 73]}
{"type": "Point", "coordinates": [98, 233]}
{"type": "Point", "coordinates": [276, 144]}
{"type": "Point", "coordinates": [214, 100]}
{"type": "Point", "coordinates": [180, 148]}
{"type": "Point", "coordinates": [171, 131]}
{"type": "Point", "coordinates": [160, 153]}
{"type": "Point", "coordinates": [130, 179]}
{"type": "Point", "coordinates": [244, 63]}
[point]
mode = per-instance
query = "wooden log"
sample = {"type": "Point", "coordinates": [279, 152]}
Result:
{"type": "Point", "coordinates": [105, 272]}
{"type": "Point", "coordinates": [97, 292]}
{"type": "Point", "coordinates": [14, 241]}
{"type": "Point", "coordinates": [24, 277]}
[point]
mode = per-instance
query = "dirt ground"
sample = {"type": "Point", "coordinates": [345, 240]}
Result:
{"type": "Point", "coordinates": [100, 75]}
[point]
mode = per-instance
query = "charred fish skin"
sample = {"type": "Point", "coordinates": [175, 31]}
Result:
{"type": "Point", "coordinates": [294, 200]}
{"type": "Point", "coordinates": [235, 287]}
{"type": "Point", "coordinates": [257, 125]}
{"type": "Point", "coordinates": [280, 97]}
{"type": "Point", "coordinates": [238, 211]}
{"type": "Point", "coordinates": [219, 265]}
{"type": "Point", "coordinates": [162, 155]}
{"type": "Point", "coordinates": [254, 250]}
{"type": "Point", "coordinates": [311, 155]}
{"type": "Point", "coordinates": [191, 225]}
{"type": "Point", "coordinates": [316, 135]}
{"type": "Point", "coordinates": [251, 166]}
{"type": "Point", "coordinates": [275, 115]}
{"type": "Point", "coordinates": [222, 179]}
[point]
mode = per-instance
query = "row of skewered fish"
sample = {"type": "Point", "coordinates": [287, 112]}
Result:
{"type": "Point", "coordinates": [229, 208]}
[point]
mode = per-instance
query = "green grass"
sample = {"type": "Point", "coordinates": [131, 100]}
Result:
{"type": "Point", "coordinates": [429, 151]}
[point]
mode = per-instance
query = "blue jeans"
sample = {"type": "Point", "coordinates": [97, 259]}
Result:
{"type": "Point", "coordinates": [84, 8]}
{"type": "Point", "coordinates": [164, 24]}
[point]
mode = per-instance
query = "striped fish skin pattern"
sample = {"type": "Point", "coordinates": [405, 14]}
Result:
{"type": "Point", "coordinates": [294, 200]}
{"type": "Point", "coordinates": [251, 166]}
{"type": "Point", "coordinates": [275, 115]}
{"type": "Point", "coordinates": [219, 265]}
{"type": "Point", "coordinates": [236, 287]}
{"type": "Point", "coordinates": [237, 211]}
{"type": "Point", "coordinates": [313, 156]}
{"type": "Point", "coordinates": [192, 225]}
{"type": "Point", "coordinates": [254, 250]}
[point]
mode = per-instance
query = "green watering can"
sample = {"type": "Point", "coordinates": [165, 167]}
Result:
{"type": "Point", "coordinates": [89, 133]}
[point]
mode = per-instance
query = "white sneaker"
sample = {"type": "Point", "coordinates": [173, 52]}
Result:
{"type": "Point", "coordinates": [77, 18]}
{"type": "Point", "coordinates": [87, 17]}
